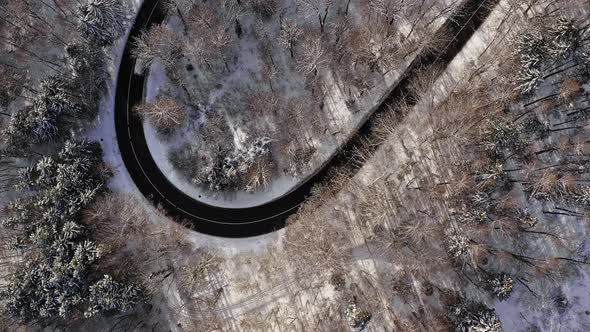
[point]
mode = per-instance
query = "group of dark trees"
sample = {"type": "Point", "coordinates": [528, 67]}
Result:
{"type": "Point", "coordinates": [507, 141]}
{"type": "Point", "coordinates": [55, 277]}
{"type": "Point", "coordinates": [54, 262]}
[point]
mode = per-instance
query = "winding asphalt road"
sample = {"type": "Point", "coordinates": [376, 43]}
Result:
{"type": "Point", "coordinates": [246, 222]}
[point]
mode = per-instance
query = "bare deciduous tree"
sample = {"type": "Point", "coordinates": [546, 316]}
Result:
{"type": "Point", "coordinates": [103, 21]}
{"type": "Point", "coordinates": [317, 8]}
{"type": "Point", "coordinates": [290, 34]}
{"type": "Point", "coordinates": [264, 103]}
{"type": "Point", "coordinates": [569, 90]}
{"type": "Point", "coordinates": [166, 113]}
{"type": "Point", "coordinates": [266, 8]}
{"type": "Point", "coordinates": [388, 9]}
{"type": "Point", "coordinates": [212, 30]}
{"type": "Point", "coordinates": [158, 44]}
{"type": "Point", "coordinates": [197, 48]}
{"type": "Point", "coordinates": [259, 175]}
{"type": "Point", "coordinates": [376, 51]}
{"type": "Point", "coordinates": [312, 58]}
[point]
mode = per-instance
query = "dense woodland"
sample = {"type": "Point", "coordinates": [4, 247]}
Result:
{"type": "Point", "coordinates": [457, 201]}
{"type": "Point", "coordinates": [492, 195]}
{"type": "Point", "coordinates": [54, 73]}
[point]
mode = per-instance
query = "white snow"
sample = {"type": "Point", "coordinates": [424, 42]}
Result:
{"type": "Point", "coordinates": [104, 126]}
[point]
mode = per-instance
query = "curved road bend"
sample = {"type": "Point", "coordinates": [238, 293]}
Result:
{"type": "Point", "coordinates": [246, 222]}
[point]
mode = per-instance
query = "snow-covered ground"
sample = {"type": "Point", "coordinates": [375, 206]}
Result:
{"type": "Point", "coordinates": [524, 312]}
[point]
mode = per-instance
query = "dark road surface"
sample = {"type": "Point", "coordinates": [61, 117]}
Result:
{"type": "Point", "coordinates": [246, 222]}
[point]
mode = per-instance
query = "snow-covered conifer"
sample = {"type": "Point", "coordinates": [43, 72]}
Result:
{"type": "Point", "coordinates": [40, 123]}
{"type": "Point", "coordinates": [501, 286]}
{"type": "Point", "coordinates": [108, 294]}
{"type": "Point", "coordinates": [102, 21]}
{"type": "Point", "coordinates": [88, 68]}
{"type": "Point", "coordinates": [357, 318]}
{"type": "Point", "coordinates": [535, 49]}
{"type": "Point", "coordinates": [498, 137]}
{"type": "Point", "coordinates": [469, 317]}
{"type": "Point", "coordinates": [562, 37]}
{"type": "Point", "coordinates": [530, 49]}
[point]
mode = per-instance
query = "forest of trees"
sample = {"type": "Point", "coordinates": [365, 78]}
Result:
{"type": "Point", "coordinates": [480, 195]}
{"type": "Point", "coordinates": [53, 176]}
